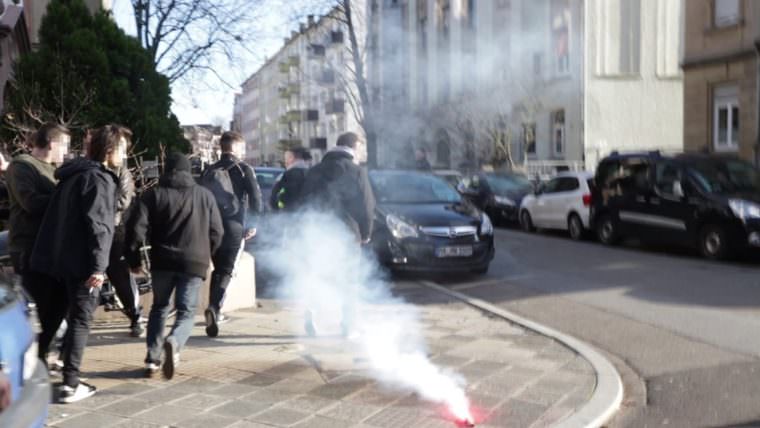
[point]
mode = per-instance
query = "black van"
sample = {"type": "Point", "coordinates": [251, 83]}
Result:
{"type": "Point", "coordinates": [705, 201]}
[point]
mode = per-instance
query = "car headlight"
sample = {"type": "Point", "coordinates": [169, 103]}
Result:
{"type": "Point", "coordinates": [486, 227]}
{"type": "Point", "coordinates": [503, 200]}
{"type": "Point", "coordinates": [399, 228]}
{"type": "Point", "coordinates": [745, 210]}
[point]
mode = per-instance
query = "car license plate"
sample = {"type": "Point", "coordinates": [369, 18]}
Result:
{"type": "Point", "coordinates": [460, 251]}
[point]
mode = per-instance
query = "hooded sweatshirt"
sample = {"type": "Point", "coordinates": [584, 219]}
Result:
{"type": "Point", "coordinates": [75, 237]}
{"type": "Point", "coordinates": [181, 222]}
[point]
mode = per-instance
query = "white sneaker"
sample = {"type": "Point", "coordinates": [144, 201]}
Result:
{"type": "Point", "coordinates": [72, 395]}
{"type": "Point", "coordinates": [151, 369]}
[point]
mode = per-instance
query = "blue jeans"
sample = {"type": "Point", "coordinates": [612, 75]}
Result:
{"type": "Point", "coordinates": [186, 288]}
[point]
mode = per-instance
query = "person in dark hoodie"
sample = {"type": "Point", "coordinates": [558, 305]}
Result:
{"type": "Point", "coordinates": [340, 187]}
{"type": "Point", "coordinates": [287, 190]}
{"type": "Point", "coordinates": [181, 222]}
{"type": "Point", "coordinates": [74, 243]}
{"type": "Point", "coordinates": [238, 221]}
{"type": "Point", "coordinates": [31, 182]}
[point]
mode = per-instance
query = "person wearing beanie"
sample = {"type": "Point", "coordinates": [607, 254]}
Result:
{"type": "Point", "coordinates": [181, 222]}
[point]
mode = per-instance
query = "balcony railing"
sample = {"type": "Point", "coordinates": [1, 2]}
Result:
{"type": "Point", "coordinates": [289, 90]}
{"type": "Point", "coordinates": [291, 116]}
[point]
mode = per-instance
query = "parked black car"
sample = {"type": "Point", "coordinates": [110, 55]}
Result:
{"type": "Point", "coordinates": [498, 194]}
{"type": "Point", "coordinates": [705, 201]}
{"type": "Point", "coordinates": [267, 177]}
{"type": "Point", "coordinates": [423, 224]}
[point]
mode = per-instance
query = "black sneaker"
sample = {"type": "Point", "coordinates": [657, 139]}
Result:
{"type": "Point", "coordinates": [151, 369]}
{"type": "Point", "coordinates": [136, 329]}
{"type": "Point", "coordinates": [171, 357]}
{"type": "Point", "coordinates": [212, 325]}
{"type": "Point", "coordinates": [72, 395]}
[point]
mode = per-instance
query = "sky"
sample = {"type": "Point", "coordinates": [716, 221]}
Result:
{"type": "Point", "coordinates": [212, 106]}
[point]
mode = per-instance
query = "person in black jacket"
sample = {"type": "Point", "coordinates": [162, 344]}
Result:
{"type": "Point", "coordinates": [181, 222]}
{"type": "Point", "coordinates": [287, 190]}
{"type": "Point", "coordinates": [421, 162]}
{"type": "Point", "coordinates": [341, 188]}
{"type": "Point", "coordinates": [74, 243]}
{"type": "Point", "coordinates": [238, 226]}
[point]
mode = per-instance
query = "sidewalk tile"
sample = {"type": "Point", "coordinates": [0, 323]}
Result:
{"type": "Point", "coordinates": [352, 412]}
{"type": "Point", "coordinates": [128, 407]}
{"type": "Point", "coordinates": [164, 395]}
{"type": "Point", "coordinates": [259, 379]}
{"type": "Point", "coordinates": [200, 402]}
{"type": "Point", "coordinates": [132, 423]}
{"type": "Point", "coordinates": [241, 409]}
{"type": "Point", "coordinates": [515, 413]}
{"type": "Point", "coordinates": [206, 420]}
{"type": "Point", "coordinates": [166, 414]}
{"type": "Point", "coordinates": [280, 416]}
{"type": "Point", "coordinates": [324, 422]}
{"type": "Point", "coordinates": [129, 388]}
{"type": "Point", "coordinates": [234, 390]}
{"type": "Point", "coordinates": [90, 420]}
{"type": "Point", "coordinates": [393, 418]}
{"type": "Point", "coordinates": [308, 403]}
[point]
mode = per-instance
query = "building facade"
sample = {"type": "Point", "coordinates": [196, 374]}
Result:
{"type": "Point", "coordinates": [534, 84]}
{"type": "Point", "coordinates": [721, 72]}
{"type": "Point", "coordinates": [14, 41]}
{"type": "Point", "coordinates": [204, 140]}
{"type": "Point", "coordinates": [301, 96]}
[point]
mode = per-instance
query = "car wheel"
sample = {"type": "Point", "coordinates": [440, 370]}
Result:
{"type": "Point", "coordinates": [575, 227]}
{"type": "Point", "coordinates": [607, 230]}
{"type": "Point", "coordinates": [714, 243]}
{"type": "Point", "coordinates": [526, 222]}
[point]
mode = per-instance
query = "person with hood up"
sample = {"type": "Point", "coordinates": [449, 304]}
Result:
{"type": "Point", "coordinates": [181, 222]}
{"type": "Point", "coordinates": [340, 187]}
{"type": "Point", "coordinates": [31, 183]}
{"type": "Point", "coordinates": [74, 243]}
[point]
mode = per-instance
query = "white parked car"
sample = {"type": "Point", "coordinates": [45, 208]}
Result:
{"type": "Point", "coordinates": [562, 203]}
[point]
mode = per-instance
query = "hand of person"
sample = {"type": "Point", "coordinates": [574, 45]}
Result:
{"type": "Point", "coordinates": [95, 280]}
{"type": "Point", "coordinates": [250, 233]}
{"type": "Point", "coordinates": [366, 241]}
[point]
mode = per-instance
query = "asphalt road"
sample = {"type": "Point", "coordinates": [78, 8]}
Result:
{"type": "Point", "coordinates": [688, 328]}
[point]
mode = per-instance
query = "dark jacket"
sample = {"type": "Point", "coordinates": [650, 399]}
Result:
{"type": "Point", "coordinates": [31, 183]}
{"type": "Point", "coordinates": [287, 190]}
{"type": "Point", "coordinates": [246, 188]}
{"type": "Point", "coordinates": [125, 193]}
{"type": "Point", "coordinates": [76, 233]}
{"type": "Point", "coordinates": [180, 221]}
{"type": "Point", "coordinates": [339, 186]}
{"type": "Point", "coordinates": [423, 165]}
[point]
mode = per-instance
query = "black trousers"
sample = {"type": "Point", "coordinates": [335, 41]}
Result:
{"type": "Point", "coordinates": [224, 263]}
{"type": "Point", "coordinates": [121, 278]}
{"type": "Point", "coordinates": [82, 304]}
{"type": "Point", "coordinates": [49, 296]}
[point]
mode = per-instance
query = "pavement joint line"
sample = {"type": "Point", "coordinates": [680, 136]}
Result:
{"type": "Point", "coordinates": [608, 393]}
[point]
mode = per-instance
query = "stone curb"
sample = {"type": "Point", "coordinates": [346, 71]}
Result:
{"type": "Point", "coordinates": [608, 394]}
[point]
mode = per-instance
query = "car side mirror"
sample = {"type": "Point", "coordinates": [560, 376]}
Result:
{"type": "Point", "coordinates": [678, 190]}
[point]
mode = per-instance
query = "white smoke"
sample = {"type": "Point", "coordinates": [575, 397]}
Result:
{"type": "Point", "coordinates": [318, 265]}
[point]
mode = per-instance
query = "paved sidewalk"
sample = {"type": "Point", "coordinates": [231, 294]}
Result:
{"type": "Point", "coordinates": [260, 372]}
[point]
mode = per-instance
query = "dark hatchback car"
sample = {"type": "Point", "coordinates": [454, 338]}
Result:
{"type": "Point", "coordinates": [498, 194]}
{"type": "Point", "coordinates": [267, 177]}
{"type": "Point", "coordinates": [423, 224]}
{"type": "Point", "coordinates": [708, 202]}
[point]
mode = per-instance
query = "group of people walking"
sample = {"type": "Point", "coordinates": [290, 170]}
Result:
{"type": "Point", "coordinates": [75, 224]}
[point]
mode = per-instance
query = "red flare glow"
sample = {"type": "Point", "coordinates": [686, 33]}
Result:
{"type": "Point", "coordinates": [462, 416]}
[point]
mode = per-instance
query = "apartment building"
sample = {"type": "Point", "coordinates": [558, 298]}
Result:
{"type": "Point", "coordinates": [562, 82]}
{"type": "Point", "coordinates": [721, 72]}
{"type": "Point", "coordinates": [299, 97]}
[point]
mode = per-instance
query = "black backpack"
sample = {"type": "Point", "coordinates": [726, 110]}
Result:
{"type": "Point", "coordinates": [219, 182]}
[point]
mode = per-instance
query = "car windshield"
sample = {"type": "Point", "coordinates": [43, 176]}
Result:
{"type": "Point", "coordinates": [506, 184]}
{"type": "Point", "coordinates": [267, 179]}
{"type": "Point", "coordinates": [726, 176]}
{"type": "Point", "coordinates": [412, 188]}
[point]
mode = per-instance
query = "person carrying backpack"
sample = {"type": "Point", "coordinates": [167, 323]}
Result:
{"type": "Point", "coordinates": [237, 193]}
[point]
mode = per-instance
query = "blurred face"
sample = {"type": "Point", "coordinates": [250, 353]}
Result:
{"type": "Point", "coordinates": [290, 159]}
{"type": "Point", "coordinates": [118, 156]}
{"type": "Point", "coordinates": [59, 148]}
{"type": "Point", "coordinates": [238, 149]}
